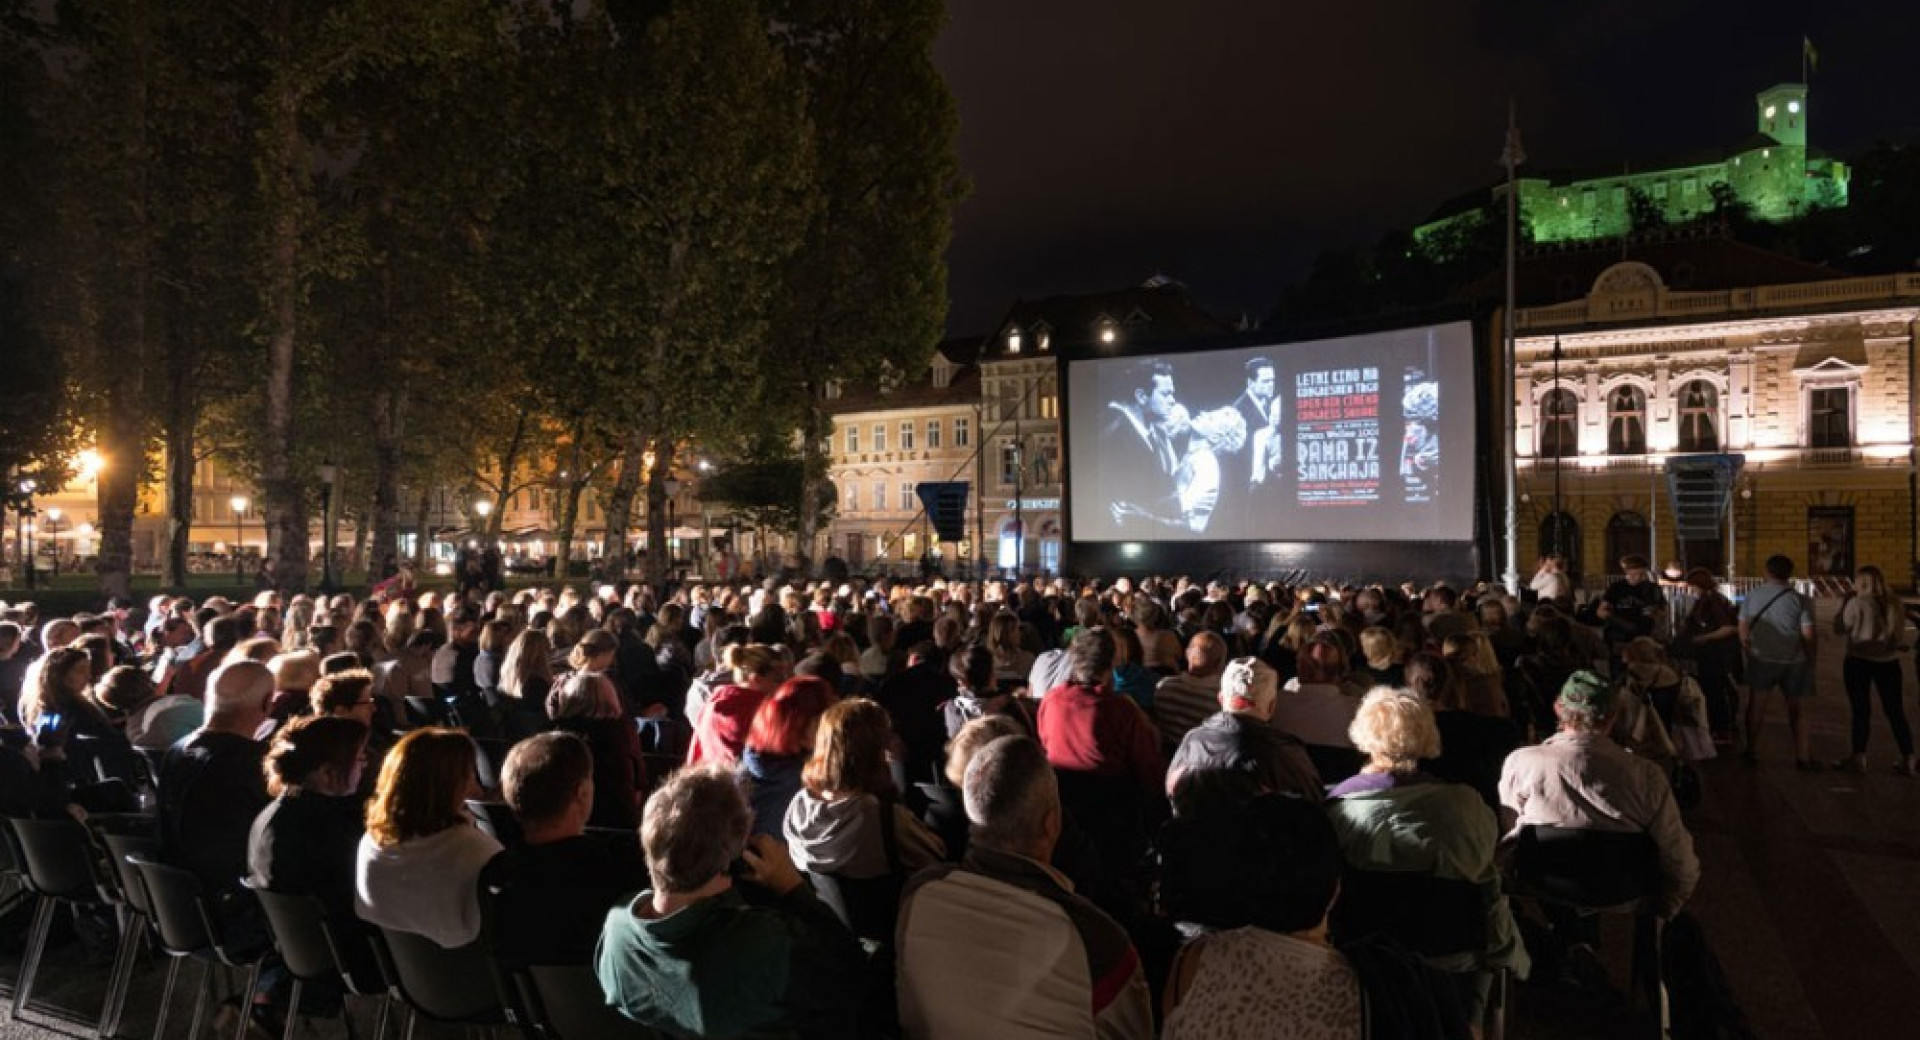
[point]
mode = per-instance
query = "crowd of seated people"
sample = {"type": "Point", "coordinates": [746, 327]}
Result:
{"type": "Point", "coordinates": [836, 810]}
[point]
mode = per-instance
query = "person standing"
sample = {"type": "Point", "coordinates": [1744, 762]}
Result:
{"type": "Point", "coordinates": [1873, 623]}
{"type": "Point", "coordinates": [1776, 630]}
{"type": "Point", "coordinates": [1710, 636]}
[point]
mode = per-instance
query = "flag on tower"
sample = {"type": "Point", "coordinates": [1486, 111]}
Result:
{"type": "Point", "coordinates": [1809, 58]}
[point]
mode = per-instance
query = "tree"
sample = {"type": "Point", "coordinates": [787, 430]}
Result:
{"type": "Point", "coordinates": [1643, 213]}
{"type": "Point", "coordinates": [766, 490]}
{"type": "Point", "coordinates": [864, 296]}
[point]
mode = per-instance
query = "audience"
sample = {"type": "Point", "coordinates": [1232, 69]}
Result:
{"type": "Point", "coordinates": [1236, 749]}
{"type": "Point", "coordinates": [213, 786]}
{"type": "Point", "coordinates": [418, 867]}
{"type": "Point", "coordinates": [973, 672]}
{"type": "Point", "coordinates": [690, 956]}
{"type": "Point", "coordinates": [778, 747]}
{"type": "Point", "coordinates": [304, 842]}
{"type": "Point", "coordinates": [1181, 701]}
{"type": "Point", "coordinates": [727, 715]}
{"type": "Point", "coordinates": [552, 892]}
{"type": "Point", "coordinates": [1051, 963]}
{"type": "Point", "coordinates": [847, 819]}
{"type": "Point", "coordinates": [1086, 728]}
{"type": "Point", "coordinates": [586, 704]}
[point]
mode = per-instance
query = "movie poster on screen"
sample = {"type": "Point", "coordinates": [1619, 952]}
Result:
{"type": "Point", "coordinates": [1337, 436]}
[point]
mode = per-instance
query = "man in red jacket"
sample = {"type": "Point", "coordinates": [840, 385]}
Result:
{"type": "Point", "coordinates": [1087, 728]}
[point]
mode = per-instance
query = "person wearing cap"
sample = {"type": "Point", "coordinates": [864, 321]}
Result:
{"type": "Point", "coordinates": [1579, 779]}
{"type": "Point", "coordinates": [1237, 748]}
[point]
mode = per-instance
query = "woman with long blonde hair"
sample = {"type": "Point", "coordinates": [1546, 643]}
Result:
{"type": "Point", "coordinates": [1874, 623]}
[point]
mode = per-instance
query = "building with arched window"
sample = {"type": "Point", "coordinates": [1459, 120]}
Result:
{"type": "Point", "coordinates": [1808, 379]}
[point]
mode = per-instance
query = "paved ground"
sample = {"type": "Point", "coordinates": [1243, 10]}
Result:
{"type": "Point", "coordinates": [1810, 895]}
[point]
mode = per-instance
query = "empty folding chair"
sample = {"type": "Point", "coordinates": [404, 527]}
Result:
{"type": "Point", "coordinates": [60, 870]}
{"type": "Point", "coordinates": [186, 927]}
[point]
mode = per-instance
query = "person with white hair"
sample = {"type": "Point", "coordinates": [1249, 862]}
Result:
{"type": "Point", "coordinates": [1052, 964]}
{"type": "Point", "coordinates": [1236, 748]}
{"type": "Point", "coordinates": [1393, 818]}
{"type": "Point", "coordinates": [212, 786]}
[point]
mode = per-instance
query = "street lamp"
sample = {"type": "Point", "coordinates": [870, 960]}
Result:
{"type": "Point", "coordinates": [328, 474]}
{"type": "Point", "coordinates": [239, 504]}
{"type": "Point", "coordinates": [673, 489]}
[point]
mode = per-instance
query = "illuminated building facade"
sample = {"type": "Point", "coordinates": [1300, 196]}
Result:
{"type": "Point", "coordinates": [1810, 381]}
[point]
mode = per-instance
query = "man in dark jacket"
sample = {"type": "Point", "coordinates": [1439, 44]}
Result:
{"type": "Point", "coordinates": [1236, 751]}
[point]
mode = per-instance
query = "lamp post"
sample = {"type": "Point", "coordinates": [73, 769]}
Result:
{"type": "Point", "coordinates": [52, 529]}
{"type": "Point", "coordinates": [328, 473]}
{"type": "Point", "coordinates": [673, 489]}
{"type": "Point", "coordinates": [1559, 456]}
{"type": "Point", "coordinates": [239, 504]}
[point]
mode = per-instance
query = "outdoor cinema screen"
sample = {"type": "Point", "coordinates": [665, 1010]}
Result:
{"type": "Point", "coordinates": [1365, 438]}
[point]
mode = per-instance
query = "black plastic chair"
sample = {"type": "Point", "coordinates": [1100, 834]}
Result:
{"type": "Point", "coordinates": [497, 820]}
{"type": "Point", "coordinates": [489, 758]}
{"type": "Point", "coordinates": [456, 987]}
{"type": "Point", "coordinates": [1437, 918]}
{"type": "Point", "coordinates": [566, 1003]}
{"type": "Point", "coordinates": [59, 869]}
{"type": "Point", "coordinates": [298, 924]}
{"type": "Point", "coordinates": [1608, 873]}
{"type": "Point", "coordinates": [122, 836]}
{"type": "Point", "coordinates": [186, 927]}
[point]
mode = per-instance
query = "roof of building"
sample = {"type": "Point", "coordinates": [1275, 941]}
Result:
{"type": "Point", "coordinates": [1158, 311]}
{"type": "Point", "coordinates": [1686, 262]}
{"type": "Point", "coordinates": [963, 388]}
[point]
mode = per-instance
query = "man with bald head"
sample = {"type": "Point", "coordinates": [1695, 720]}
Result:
{"type": "Point", "coordinates": [1183, 701]}
{"type": "Point", "coordinates": [211, 783]}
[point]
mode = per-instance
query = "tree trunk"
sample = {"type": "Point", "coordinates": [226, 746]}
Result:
{"type": "Point", "coordinates": [659, 551]}
{"type": "Point", "coordinates": [180, 463]}
{"type": "Point", "coordinates": [284, 492]}
{"type": "Point", "coordinates": [813, 475]}
{"type": "Point", "coordinates": [389, 426]}
{"type": "Point", "coordinates": [357, 556]}
{"type": "Point", "coordinates": [620, 501]}
{"type": "Point", "coordinates": [569, 519]}
{"type": "Point", "coordinates": [423, 542]}
{"type": "Point", "coordinates": [508, 463]}
{"type": "Point", "coordinates": [123, 444]}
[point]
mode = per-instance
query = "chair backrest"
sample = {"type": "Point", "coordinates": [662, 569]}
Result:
{"type": "Point", "coordinates": [498, 821]}
{"type": "Point", "coordinates": [296, 922]}
{"type": "Point", "coordinates": [59, 859]}
{"type": "Point", "coordinates": [107, 757]}
{"type": "Point", "coordinates": [1431, 916]}
{"type": "Point", "coordinates": [1586, 868]}
{"type": "Point", "coordinates": [827, 887]}
{"type": "Point", "coordinates": [571, 1005]}
{"type": "Point", "coordinates": [174, 897]}
{"type": "Point", "coordinates": [123, 836]}
{"type": "Point", "coordinates": [445, 985]}
{"type": "Point", "coordinates": [489, 758]}
{"type": "Point", "coordinates": [1334, 764]}
{"type": "Point", "coordinates": [426, 711]}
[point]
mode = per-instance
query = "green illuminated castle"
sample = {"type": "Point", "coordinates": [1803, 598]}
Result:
{"type": "Point", "coordinates": [1773, 172]}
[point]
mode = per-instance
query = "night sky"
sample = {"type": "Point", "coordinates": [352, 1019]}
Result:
{"type": "Point", "coordinates": [1227, 142]}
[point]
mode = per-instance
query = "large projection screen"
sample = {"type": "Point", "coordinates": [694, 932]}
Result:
{"type": "Point", "coordinates": [1363, 438]}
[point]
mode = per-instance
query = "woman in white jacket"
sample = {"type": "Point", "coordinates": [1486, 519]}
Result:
{"type": "Point", "coordinates": [418, 867]}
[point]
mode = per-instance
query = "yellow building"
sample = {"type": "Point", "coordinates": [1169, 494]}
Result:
{"type": "Point", "coordinates": [884, 442]}
{"type": "Point", "coordinates": [1808, 380]}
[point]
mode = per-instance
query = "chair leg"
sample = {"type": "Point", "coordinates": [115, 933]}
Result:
{"type": "Point", "coordinates": [413, 1019]}
{"type": "Point", "coordinates": [246, 1002]}
{"type": "Point", "coordinates": [293, 1012]}
{"type": "Point", "coordinates": [380, 1023]}
{"type": "Point", "coordinates": [207, 971]}
{"type": "Point", "coordinates": [36, 945]}
{"type": "Point", "coordinates": [166, 998]}
{"type": "Point", "coordinates": [117, 975]}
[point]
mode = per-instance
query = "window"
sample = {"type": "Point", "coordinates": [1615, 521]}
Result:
{"type": "Point", "coordinates": [1009, 399]}
{"type": "Point", "coordinates": [960, 433]}
{"type": "Point", "coordinates": [1046, 461]}
{"type": "Point", "coordinates": [1699, 417]}
{"type": "Point", "coordinates": [1829, 417]}
{"type": "Point", "coordinates": [879, 437]}
{"type": "Point", "coordinates": [1009, 463]}
{"type": "Point", "coordinates": [1049, 401]}
{"type": "Point", "coordinates": [879, 496]}
{"type": "Point", "coordinates": [853, 498]}
{"type": "Point", "coordinates": [1013, 341]}
{"type": "Point", "coordinates": [933, 433]}
{"type": "Point", "coordinates": [1626, 421]}
{"type": "Point", "coordinates": [906, 436]}
{"type": "Point", "coordinates": [853, 440]}
{"type": "Point", "coordinates": [907, 502]}
{"type": "Point", "coordinates": [1559, 412]}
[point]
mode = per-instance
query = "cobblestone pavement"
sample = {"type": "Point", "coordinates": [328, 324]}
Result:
{"type": "Point", "coordinates": [1810, 892]}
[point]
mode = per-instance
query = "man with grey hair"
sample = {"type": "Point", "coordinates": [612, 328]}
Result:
{"type": "Point", "coordinates": [1181, 701]}
{"type": "Point", "coordinates": [691, 957]}
{"type": "Point", "coordinates": [212, 787]}
{"type": "Point", "coordinates": [1579, 779]}
{"type": "Point", "coordinates": [1236, 751]}
{"type": "Point", "coordinates": [1051, 964]}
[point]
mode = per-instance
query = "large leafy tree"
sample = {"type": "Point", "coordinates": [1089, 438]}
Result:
{"type": "Point", "coordinates": [864, 297]}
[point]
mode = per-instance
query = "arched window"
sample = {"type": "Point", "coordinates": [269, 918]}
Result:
{"type": "Point", "coordinates": [1699, 417]}
{"type": "Point", "coordinates": [1628, 534]}
{"type": "Point", "coordinates": [1627, 421]}
{"type": "Point", "coordinates": [1559, 434]}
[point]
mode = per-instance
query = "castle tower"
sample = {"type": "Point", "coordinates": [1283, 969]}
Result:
{"type": "Point", "coordinates": [1781, 113]}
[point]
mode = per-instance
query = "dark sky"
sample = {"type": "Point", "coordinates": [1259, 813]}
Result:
{"type": "Point", "coordinates": [1227, 142]}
